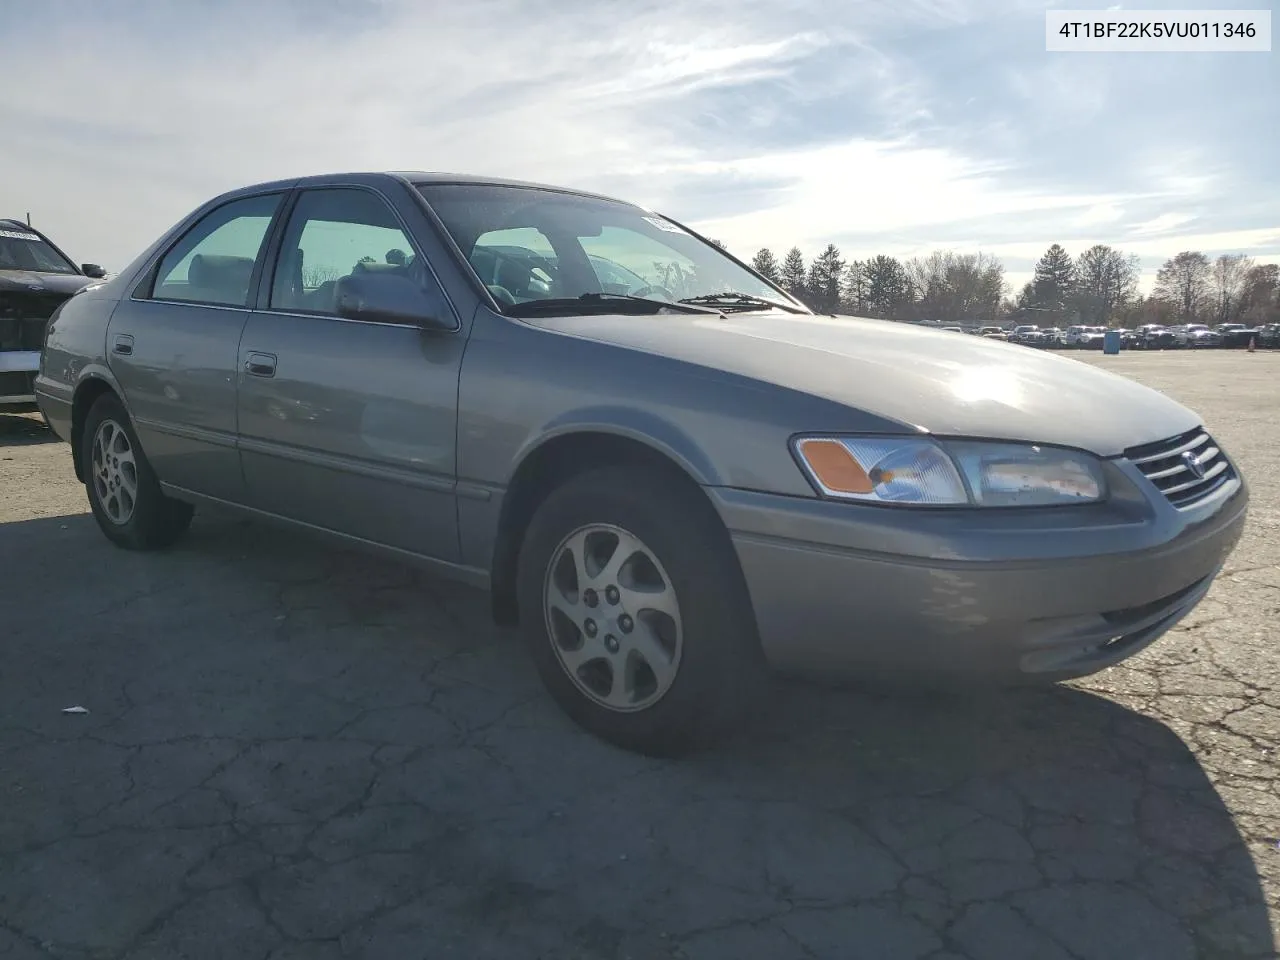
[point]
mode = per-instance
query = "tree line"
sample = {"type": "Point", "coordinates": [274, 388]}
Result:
{"type": "Point", "coordinates": [1099, 287]}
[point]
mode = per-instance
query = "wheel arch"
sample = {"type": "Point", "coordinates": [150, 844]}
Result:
{"type": "Point", "coordinates": [553, 461]}
{"type": "Point", "coordinates": [88, 390]}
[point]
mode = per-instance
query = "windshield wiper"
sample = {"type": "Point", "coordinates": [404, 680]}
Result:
{"type": "Point", "coordinates": [732, 300]}
{"type": "Point", "coordinates": [600, 303]}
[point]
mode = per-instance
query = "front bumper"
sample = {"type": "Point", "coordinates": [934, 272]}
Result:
{"type": "Point", "coordinates": [18, 369]}
{"type": "Point", "coordinates": [843, 590]}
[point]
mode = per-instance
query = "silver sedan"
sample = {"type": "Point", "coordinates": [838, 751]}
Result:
{"type": "Point", "coordinates": [669, 472]}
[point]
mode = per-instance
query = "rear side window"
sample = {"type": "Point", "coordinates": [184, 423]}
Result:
{"type": "Point", "coordinates": [213, 262]}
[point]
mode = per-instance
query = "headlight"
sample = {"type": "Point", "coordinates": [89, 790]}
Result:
{"type": "Point", "coordinates": [911, 470]}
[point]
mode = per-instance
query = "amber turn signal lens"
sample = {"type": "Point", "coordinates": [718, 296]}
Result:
{"type": "Point", "coordinates": [835, 467]}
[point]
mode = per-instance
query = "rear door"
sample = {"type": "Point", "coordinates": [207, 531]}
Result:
{"type": "Point", "coordinates": [173, 346]}
{"type": "Point", "coordinates": [349, 425]}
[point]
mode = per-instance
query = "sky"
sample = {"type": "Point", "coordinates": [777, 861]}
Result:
{"type": "Point", "coordinates": [883, 127]}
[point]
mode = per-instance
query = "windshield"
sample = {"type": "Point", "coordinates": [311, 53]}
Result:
{"type": "Point", "coordinates": [529, 245]}
{"type": "Point", "coordinates": [24, 250]}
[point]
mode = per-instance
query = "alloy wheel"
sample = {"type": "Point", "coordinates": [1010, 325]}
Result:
{"type": "Point", "coordinates": [115, 472]}
{"type": "Point", "coordinates": [613, 617]}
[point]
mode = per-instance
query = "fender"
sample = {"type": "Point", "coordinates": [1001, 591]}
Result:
{"type": "Point", "coordinates": [644, 427]}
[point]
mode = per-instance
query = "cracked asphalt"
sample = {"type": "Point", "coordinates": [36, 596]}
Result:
{"type": "Point", "coordinates": [296, 752]}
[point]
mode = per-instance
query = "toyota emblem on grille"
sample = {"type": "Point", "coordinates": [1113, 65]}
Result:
{"type": "Point", "coordinates": [1193, 464]}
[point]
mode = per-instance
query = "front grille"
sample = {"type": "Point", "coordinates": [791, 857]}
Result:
{"type": "Point", "coordinates": [23, 316]}
{"type": "Point", "coordinates": [1169, 465]}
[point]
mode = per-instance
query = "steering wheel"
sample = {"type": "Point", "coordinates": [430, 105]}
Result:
{"type": "Point", "coordinates": [501, 294]}
{"type": "Point", "coordinates": [651, 289]}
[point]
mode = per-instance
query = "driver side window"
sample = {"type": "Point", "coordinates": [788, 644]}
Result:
{"type": "Point", "coordinates": [334, 234]}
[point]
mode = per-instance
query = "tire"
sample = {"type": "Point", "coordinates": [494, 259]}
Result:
{"type": "Point", "coordinates": [144, 519]}
{"type": "Point", "coordinates": [712, 657]}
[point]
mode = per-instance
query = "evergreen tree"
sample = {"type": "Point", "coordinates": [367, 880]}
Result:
{"type": "Point", "coordinates": [793, 274]}
{"type": "Point", "coordinates": [824, 280]}
{"type": "Point", "coordinates": [888, 287]}
{"type": "Point", "coordinates": [766, 264]}
{"type": "Point", "coordinates": [1054, 280]}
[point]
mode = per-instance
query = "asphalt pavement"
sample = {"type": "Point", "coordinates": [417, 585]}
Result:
{"type": "Point", "coordinates": [290, 751]}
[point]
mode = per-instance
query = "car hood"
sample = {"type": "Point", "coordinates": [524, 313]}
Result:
{"type": "Point", "coordinates": [928, 380]}
{"type": "Point", "coordinates": [33, 282]}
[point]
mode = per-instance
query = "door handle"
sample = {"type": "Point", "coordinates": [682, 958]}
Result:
{"type": "Point", "coordinates": [123, 345]}
{"type": "Point", "coordinates": [260, 365]}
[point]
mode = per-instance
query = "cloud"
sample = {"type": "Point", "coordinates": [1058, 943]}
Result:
{"type": "Point", "coordinates": [881, 127]}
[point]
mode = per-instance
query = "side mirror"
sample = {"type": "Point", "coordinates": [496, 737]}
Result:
{"type": "Point", "coordinates": [391, 298]}
{"type": "Point", "coordinates": [92, 270]}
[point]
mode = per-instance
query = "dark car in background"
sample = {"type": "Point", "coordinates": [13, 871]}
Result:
{"type": "Point", "coordinates": [35, 279]}
{"type": "Point", "coordinates": [1155, 336]}
{"type": "Point", "coordinates": [1235, 335]}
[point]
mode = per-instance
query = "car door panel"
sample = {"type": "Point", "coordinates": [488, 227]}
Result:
{"type": "Point", "coordinates": [173, 347]}
{"type": "Point", "coordinates": [348, 425]}
{"type": "Point", "coordinates": [178, 372]}
{"type": "Point", "coordinates": [354, 429]}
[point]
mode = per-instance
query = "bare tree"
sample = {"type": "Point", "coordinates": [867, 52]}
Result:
{"type": "Point", "coordinates": [957, 288]}
{"type": "Point", "coordinates": [1184, 281]}
{"type": "Point", "coordinates": [1260, 302]}
{"type": "Point", "coordinates": [853, 288]}
{"type": "Point", "coordinates": [1230, 271]}
{"type": "Point", "coordinates": [1105, 280]}
{"type": "Point", "coordinates": [313, 277]}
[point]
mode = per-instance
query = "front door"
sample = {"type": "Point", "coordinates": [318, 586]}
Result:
{"type": "Point", "coordinates": [348, 425]}
{"type": "Point", "coordinates": [173, 347]}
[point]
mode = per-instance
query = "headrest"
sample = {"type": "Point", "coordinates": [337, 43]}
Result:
{"type": "Point", "coordinates": [220, 272]}
{"type": "Point", "coordinates": [366, 266]}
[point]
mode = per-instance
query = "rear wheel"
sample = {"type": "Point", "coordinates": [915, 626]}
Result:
{"type": "Point", "coordinates": [123, 491]}
{"type": "Point", "coordinates": [634, 609]}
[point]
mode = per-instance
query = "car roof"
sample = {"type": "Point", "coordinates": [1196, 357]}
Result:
{"type": "Point", "coordinates": [416, 178]}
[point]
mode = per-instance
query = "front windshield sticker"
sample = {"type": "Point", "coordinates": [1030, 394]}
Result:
{"type": "Point", "coordinates": [14, 235]}
{"type": "Point", "coordinates": [663, 224]}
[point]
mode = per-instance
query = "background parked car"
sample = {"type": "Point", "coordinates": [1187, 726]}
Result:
{"type": "Point", "coordinates": [35, 277]}
{"type": "Point", "coordinates": [1269, 336]}
{"type": "Point", "coordinates": [1149, 336]}
{"type": "Point", "coordinates": [1196, 336]}
{"type": "Point", "coordinates": [1053, 337]}
{"type": "Point", "coordinates": [1028, 335]}
{"type": "Point", "coordinates": [1085, 337]}
{"type": "Point", "coordinates": [993, 333]}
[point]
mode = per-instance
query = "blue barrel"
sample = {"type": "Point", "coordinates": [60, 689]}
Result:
{"type": "Point", "coordinates": [1111, 341]}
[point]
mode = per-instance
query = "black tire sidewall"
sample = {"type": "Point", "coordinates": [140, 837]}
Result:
{"type": "Point", "coordinates": [156, 520]}
{"type": "Point", "coordinates": [720, 656]}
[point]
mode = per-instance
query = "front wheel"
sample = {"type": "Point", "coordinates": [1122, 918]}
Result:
{"type": "Point", "coordinates": [635, 612]}
{"type": "Point", "coordinates": [124, 493]}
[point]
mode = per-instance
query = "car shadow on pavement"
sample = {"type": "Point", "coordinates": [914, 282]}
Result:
{"type": "Point", "coordinates": [303, 744]}
{"type": "Point", "coordinates": [22, 425]}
